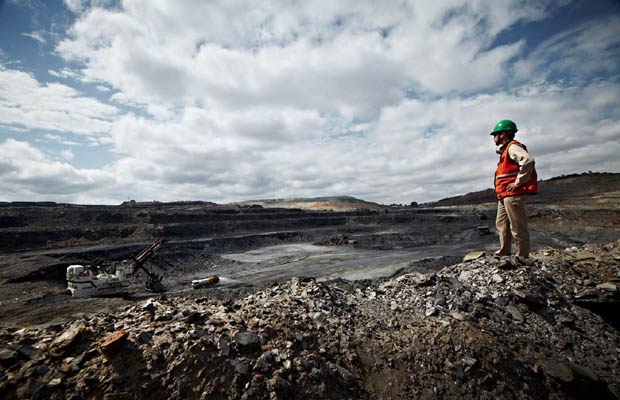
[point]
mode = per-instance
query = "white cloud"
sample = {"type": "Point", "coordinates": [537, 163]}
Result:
{"type": "Point", "coordinates": [64, 73]}
{"type": "Point", "coordinates": [67, 155]}
{"type": "Point", "coordinates": [59, 139]}
{"type": "Point", "coordinates": [27, 173]}
{"type": "Point", "coordinates": [26, 103]}
{"type": "Point", "coordinates": [76, 6]}
{"type": "Point", "coordinates": [391, 101]}
{"type": "Point", "coordinates": [552, 123]}
{"type": "Point", "coordinates": [344, 57]}
{"type": "Point", "coordinates": [583, 52]}
{"type": "Point", "coordinates": [225, 157]}
{"type": "Point", "coordinates": [79, 6]}
{"type": "Point", "coordinates": [13, 128]}
{"type": "Point", "coordinates": [416, 151]}
{"type": "Point", "coordinates": [38, 36]}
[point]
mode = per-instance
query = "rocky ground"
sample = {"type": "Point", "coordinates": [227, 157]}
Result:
{"type": "Point", "coordinates": [489, 327]}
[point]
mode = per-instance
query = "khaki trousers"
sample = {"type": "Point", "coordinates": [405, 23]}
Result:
{"type": "Point", "coordinates": [512, 222]}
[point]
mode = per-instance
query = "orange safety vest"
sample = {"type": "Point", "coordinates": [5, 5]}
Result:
{"type": "Point", "coordinates": [507, 171]}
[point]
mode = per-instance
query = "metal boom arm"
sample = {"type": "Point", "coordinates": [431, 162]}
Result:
{"type": "Point", "coordinates": [138, 262]}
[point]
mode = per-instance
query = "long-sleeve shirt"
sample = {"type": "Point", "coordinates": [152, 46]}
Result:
{"type": "Point", "coordinates": [525, 161]}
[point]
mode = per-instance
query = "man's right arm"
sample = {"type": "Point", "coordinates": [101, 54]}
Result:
{"type": "Point", "coordinates": [525, 161]}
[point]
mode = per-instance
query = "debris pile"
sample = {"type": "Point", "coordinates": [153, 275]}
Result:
{"type": "Point", "coordinates": [490, 327]}
{"type": "Point", "coordinates": [340, 241]}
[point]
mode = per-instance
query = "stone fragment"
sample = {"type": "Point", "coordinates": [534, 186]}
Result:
{"type": "Point", "coordinates": [557, 369]}
{"type": "Point", "coordinates": [515, 313]}
{"type": "Point", "coordinates": [473, 255]}
{"type": "Point", "coordinates": [263, 364]}
{"type": "Point", "coordinates": [114, 342]}
{"type": "Point", "coordinates": [454, 283]}
{"type": "Point", "coordinates": [150, 306]}
{"type": "Point", "coordinates": [461, 303]}
{"type": "Point", "coordinates": [533, 300]}
{"type": "Point", "coordinates": [247, 340]}
{"type": "Point", "coordinates": [319, 318]}
{"type": "Point", "coordinates": [597, 362]}
{"type": "Point", "coordinates": [502, 301]}
{"type": "Point", "coordinates": [194, 318]}
{"type": "Point", "coordinates": [584, 372]}
{"type": "Point", "coordinates": [196, 333]}
{"type": "Point", "coordinates": [505, 265]}
{"type": "Point", "coordinates": [497, 278]}
{"type": "Point", "coordinates": [278, 384]}
{"type": "Point", "coordinates": [8, 357]}
{"type": "Point", "coordinates": [464, 276]}
{"type": "Point", "coordinates": [241, 366]}
{"type": "Point", "coordinates": [470, 361]}
{"type": "Point", "coordinates": [223, 345]}
{"type": "Point", "coordinates": [34, 388]}
{"type": "Point", "coordinates": [431, 311]}
{"type": "Point", "coordinates": [145, 337]}
{"type": "Point", "coordinates": [420, 279]}
{"type": "Point", "coordinates": [54, 382]}
{"type": "Point", "coordinates": [42, 370]}
{"type": "Point", "coordinates": [607, 286]}
{"type": "Point", "coordinates": [67, 338]}
{"type": "Point", "coordinates": [29, 352]}
{"type": "Point", "coordinates": [459, 316]}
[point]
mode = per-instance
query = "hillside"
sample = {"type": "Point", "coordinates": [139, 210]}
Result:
{"type": "Point", "coordinates": [569, 189]}
{"type": "Point", "coordinates": [333, 203]}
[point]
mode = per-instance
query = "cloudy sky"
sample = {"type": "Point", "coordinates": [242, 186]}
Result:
{"type": "Point", "coordinates": [102, 101]}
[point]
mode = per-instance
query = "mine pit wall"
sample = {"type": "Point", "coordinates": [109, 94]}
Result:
{"type": "Point", "coordinates": [173, 253]}
{"type": "Point", "coordinates": [60, 238]}
{"type": "Point", "coordinates": [35, 228]}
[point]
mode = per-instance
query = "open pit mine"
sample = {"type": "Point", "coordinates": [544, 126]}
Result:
{"type": "Point", "coordinates": [326, 298]}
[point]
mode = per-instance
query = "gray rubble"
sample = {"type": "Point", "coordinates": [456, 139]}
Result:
{"type": "Point", "coordinates": [488, 328]}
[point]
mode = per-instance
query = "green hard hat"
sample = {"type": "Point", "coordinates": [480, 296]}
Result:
{"type": "Point", "coordinates": [504, 125]}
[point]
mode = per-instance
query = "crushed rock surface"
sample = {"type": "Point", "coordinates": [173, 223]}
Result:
{"type": "Point", "coordinates": [490, 327]}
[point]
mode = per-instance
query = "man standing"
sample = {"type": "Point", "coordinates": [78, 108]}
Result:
{"type": "Point", "coordinates": [515, 178]}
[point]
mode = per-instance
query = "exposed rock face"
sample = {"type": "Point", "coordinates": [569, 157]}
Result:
{"type": "Point", "coordinates": [490, 327]}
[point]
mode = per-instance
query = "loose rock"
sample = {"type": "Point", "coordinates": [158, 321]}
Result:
{"type": "Point", "coordinates": [489, 327]}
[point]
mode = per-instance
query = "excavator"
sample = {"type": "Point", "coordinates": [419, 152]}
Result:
{"type": "Point", "coordinates": [88, 281]}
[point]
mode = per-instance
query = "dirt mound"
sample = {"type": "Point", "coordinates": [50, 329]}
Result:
{"type": "Point", "coordinates": [490, 327]}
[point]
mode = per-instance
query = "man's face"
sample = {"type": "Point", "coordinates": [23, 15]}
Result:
{"type": "Point", "coordinates": [497, 138]}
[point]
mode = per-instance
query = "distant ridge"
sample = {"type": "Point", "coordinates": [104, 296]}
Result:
{"type": "Point", "coordinates": [561, 189]}
{"type": "Point", "coordinates": [335, 203]}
